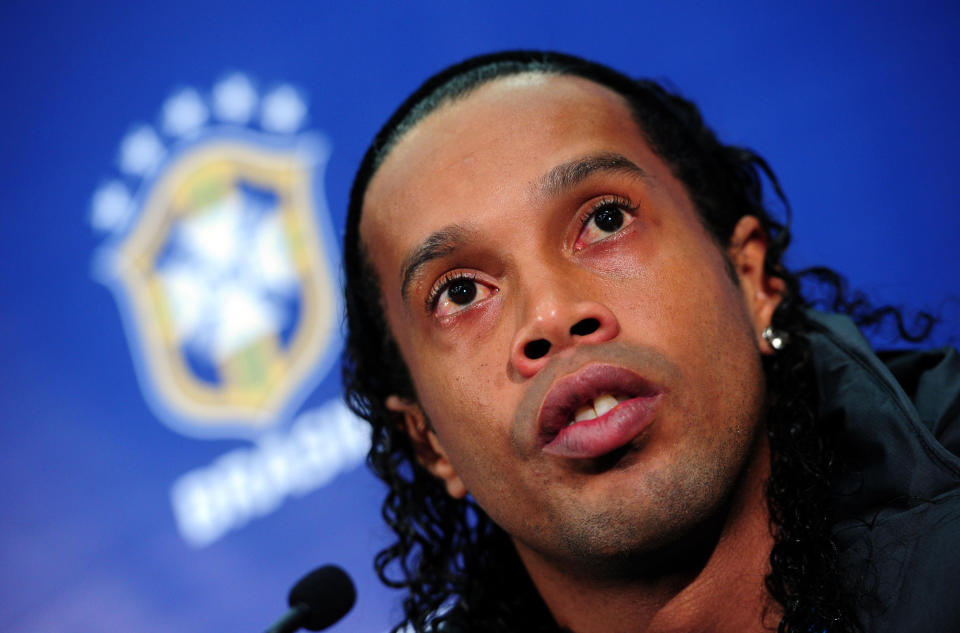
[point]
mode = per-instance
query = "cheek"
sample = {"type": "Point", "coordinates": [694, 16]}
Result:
{"type": "Point", "coordinates": [625, 257]}
{"type": "Point", "coordinates": [466, 393]}
{"type": "Point", "coordinates": [471, 404]}
{"type": "Point", "coordinates": [475, 438]}
{"type": "Point", "coordinates": [686, 306]}
{"type": "Point", "coordinates": [463, 335]}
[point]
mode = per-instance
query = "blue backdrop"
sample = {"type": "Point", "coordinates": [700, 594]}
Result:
{"type": "Point", "coordinates": [168, 465]}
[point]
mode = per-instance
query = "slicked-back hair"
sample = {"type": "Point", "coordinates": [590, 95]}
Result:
{"type": "Point", "coordinates": [455, 565]}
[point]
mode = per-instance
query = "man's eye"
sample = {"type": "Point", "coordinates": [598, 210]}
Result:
{"type": "Point", "coordinates": [608, 219]}
{"type": "Point", "coordinates": [460, 293]}
{"type": "Point", "coordinates": [605, 220]}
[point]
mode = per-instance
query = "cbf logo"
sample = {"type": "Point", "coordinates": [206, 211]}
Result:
{"type": "Point", "coordinates": [221, 258]}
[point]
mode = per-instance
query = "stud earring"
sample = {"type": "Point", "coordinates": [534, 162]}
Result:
{"type": "Point", "coordinates": [777, 339]}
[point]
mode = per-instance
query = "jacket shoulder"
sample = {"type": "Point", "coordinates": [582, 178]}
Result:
{"type": "Point", "coordinates": [931, 378]}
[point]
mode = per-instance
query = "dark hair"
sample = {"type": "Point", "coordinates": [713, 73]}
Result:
{"type": "Point", "coordinates": [453, 561]}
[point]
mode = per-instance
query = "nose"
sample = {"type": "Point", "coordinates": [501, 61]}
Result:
{"type": "Point", "coordinates": [555, 323]}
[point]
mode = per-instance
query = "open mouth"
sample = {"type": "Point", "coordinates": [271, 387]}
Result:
{"type": "Point", "coordinates": [596, 410]}
{"type": "Point", "coordinates": [598, 406]}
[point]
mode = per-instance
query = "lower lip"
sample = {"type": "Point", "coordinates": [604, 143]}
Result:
{"type": "Point", "coordinates": [608, 432]}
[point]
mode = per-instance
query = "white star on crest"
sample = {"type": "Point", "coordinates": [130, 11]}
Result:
{"type": "Point", "coordinates": [229, 277]}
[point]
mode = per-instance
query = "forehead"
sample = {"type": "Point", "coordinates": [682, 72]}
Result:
{"type": "Point", "coordinates": [488, 149]}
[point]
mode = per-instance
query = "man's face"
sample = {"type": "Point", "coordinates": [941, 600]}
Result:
{"type": "Point", "coordinates": [540, 264]}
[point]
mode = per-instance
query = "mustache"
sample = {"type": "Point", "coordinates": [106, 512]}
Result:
{"type": "Point", "coordinates": [645, 361]}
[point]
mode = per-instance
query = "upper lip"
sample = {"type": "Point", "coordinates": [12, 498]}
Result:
{"type": "Point", "coordinates": [580, 388]}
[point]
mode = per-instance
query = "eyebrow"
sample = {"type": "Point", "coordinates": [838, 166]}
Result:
{"type": "Point", "coordinates": [570, 174]}
{"type": "Point", "coordinates": [439, 244]}
{"type": "Point", "coordinates": [559, 179]}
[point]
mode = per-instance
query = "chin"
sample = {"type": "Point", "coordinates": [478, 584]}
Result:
{"type": "Point", "coordinates": [672, 522]}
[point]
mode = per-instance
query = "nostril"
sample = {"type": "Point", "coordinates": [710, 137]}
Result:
{"type": "Point", "coordinates": [536, 349]}
{"type": "Point", "coordinates": [585, 327]}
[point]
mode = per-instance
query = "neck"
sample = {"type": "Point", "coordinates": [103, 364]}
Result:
{"type": "Point", "coordinates": [720, 591]}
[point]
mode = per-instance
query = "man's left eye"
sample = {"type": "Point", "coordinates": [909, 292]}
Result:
{"type": "Point", "coordinates": [605, 220]}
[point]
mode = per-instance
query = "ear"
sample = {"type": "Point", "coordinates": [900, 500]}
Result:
{"type": "Point", "coordinates": [761, 292]}
{"type": "Point", "coordinates": [427, 445]}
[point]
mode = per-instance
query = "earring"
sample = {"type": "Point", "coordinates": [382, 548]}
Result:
{"type": "Point", "coordinates": [777, 339]}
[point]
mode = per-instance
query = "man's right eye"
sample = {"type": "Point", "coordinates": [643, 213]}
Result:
{"type": "Point", "coordinates": [458, 293]}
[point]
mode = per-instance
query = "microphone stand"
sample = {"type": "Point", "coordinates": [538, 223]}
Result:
{"type": "Point", "coordinates": [291, 621]}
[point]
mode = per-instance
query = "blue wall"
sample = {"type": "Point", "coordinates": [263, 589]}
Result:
{"type": "Point", "coordinates": [854, 106]}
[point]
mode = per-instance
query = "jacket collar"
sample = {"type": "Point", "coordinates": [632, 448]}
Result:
{"type": "Point", "coordinates": [893, 458]}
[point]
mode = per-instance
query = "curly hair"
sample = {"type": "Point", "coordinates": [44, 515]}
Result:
{"type": "Point", "coordinates": [454, 563]}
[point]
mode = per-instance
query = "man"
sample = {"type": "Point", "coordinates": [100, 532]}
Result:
{"type": "Point", "coordinates": [597, 395]}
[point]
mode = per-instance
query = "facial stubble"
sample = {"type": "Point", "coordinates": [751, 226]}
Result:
{"type": "Point", "coordinates": [673, 516]}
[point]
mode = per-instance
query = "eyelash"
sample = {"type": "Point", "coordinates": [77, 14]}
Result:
{"type": "Point", "coordinates": [443, 283]}
{"type": "Point", "coordinates": [607, 202]}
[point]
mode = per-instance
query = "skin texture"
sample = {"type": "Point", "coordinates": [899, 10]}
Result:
{"type": "Point", "coordinates": [647, 538]}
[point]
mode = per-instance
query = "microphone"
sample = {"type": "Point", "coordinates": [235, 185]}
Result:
{"type": "Point", "coordinates": [317, 601]}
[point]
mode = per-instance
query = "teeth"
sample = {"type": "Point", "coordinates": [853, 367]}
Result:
{"type": "Point", "coordinates": [584, 413]}
{"type": "Point", "coordinates": [600, 405]}
{"type": "Point", "coordinates": [604, 403]}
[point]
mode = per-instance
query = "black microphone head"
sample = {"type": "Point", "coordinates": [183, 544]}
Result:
{"type": "Point", "coordinates": [327, 592]}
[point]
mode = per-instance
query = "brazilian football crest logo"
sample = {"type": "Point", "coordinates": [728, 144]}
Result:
{"type": "Point", "coordinates": [221, 257]}
{"type": "Point", "coordinates": [220, 254]}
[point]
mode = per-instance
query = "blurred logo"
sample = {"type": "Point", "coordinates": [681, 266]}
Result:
{"type": "Point", "coordinates": [222, 260]}
{"type": "Point", "coordinates": [220, 254]}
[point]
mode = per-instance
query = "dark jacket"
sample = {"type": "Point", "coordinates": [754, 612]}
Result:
{"type": "Point", "coordinates": [898, 508]}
